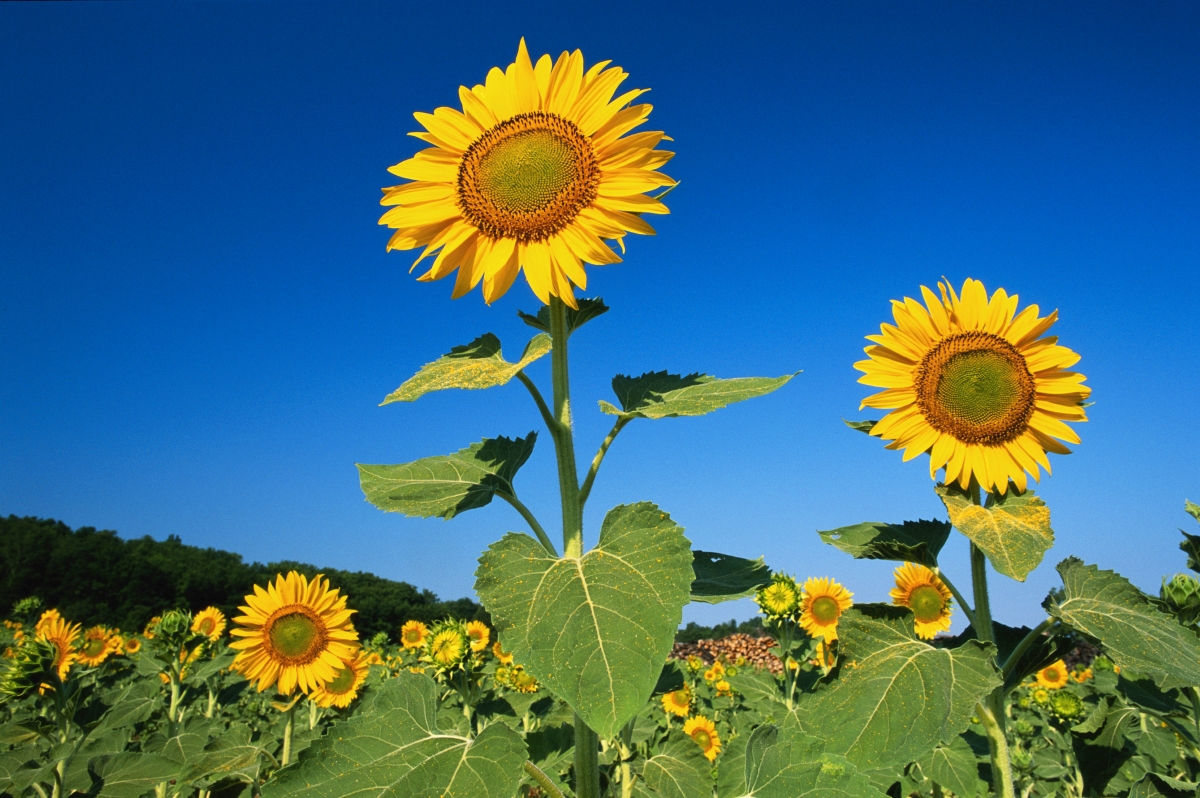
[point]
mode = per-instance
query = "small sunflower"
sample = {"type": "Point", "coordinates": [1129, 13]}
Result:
{"type": "Point", "coordinates": [920, 589]}
{"type": "Point", "coordinates": [1040, 696]}
{"type": "Point", "coordinates": [133, 645]}
{"type": "Point", "coordinates": [479, 635]}
{"type": "Point", "coordinates": [61, 635]}
{"type": "Point", "coordinates": [413, 634]}
{"type": "Point", "coordinates": [1066, 704]}
{"type": "Point", "coordinates": [1053, 676]}
{"type": "Point", "coordinates": [694, 663]}
{"type": "Point", "coordinates": [715, 672]}
{"type": "Point", "coordinates": [502, 655]}
{"type": "Point", "coordinates": [48, 617]}
{"type": "Point", "coordinates": [1081, 676]}
{"type": "Point", "coordinates": [296, 633]}
{"type": "Point", "coordinates": [151, 625]}
{"type": "Point", "coordinates": [724, 689]}
{"type": "Point", "coordinates": [678, 702]}
{"type": "Point", "coordinates": [522, 681]}
{"type": "Point", "coordinates": [209, 622]}
{"type": "Point", "coordinates": [778, 599]}
{"type": "Point", "coordinates": [448, 645]}
{"type": "Point", "coordinates": [704, 732]}
{"type": "Point", "coordinates": [974, 383]}
{"type": "Point", "coordinates": [822, 602]}
{"type": "Point", "coordinates": [533, 175]}
{"type": "Point", "coordinates": [374, 659]}
{"type": "Point", "coordinates": [95, 647]}
{"type": "Point", "coordinates": [343, 688]}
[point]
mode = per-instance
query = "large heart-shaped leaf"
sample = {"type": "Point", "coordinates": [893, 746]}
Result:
{"type": "Point", "coordinates": [954, 767]}
{"type": "Point", "coordinates": [912, 541]}
{"type": "Point", "coordinates": [658, 394]}
{"type": "Point", "coordinates": [787, 763]}
{"type": "Point", "coordinates": [394, 746]}
{"type": "Point", "coordinates": [904, 695]}
{"type": "Point", "coordinates": [479, 364]}
{"type": "Point", "coordinates": [1013, 530]}
{"type": "Point", "coordinates": [594, 629]}
{"type": "Point", "coordinates": [130, 774]}
{"type": "Point", "coordinates": [723, 577]}
{"type": "Point", "coordinates": [679, 771]}
{"type": "Point", "coordinates": [447, 485]}
{"type": "Point", "coordinates": [1137, 635]}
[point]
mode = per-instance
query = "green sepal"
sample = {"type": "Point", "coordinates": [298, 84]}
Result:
{"type": "Point", "coordinates": [1104, 606]}
{"type": "Point", "coordinates": [658, 394]}
{"type": "Point", "coordinates": [446, 485]}
{"type": "Point", "coordinates": [1013, 530]}
{"type": "Point", "coordinates": [596, 629]}
{"type": "Point", "coordinates": [479, 364]}
{"type": "Point", "coordinates": [785, 762]}
{"type": "Point", "coordinates": [394, 745]}
{"type": "Point", "coordinates": [588, 310]}
{"type": "Point", "coordinates": [866, 425]}
{"type": "Point", "coordinates": [905, 695]}
{"type": "Point", "coordinates": [912, 541]}
{"type": "Point", "coordinates": [723, 577]}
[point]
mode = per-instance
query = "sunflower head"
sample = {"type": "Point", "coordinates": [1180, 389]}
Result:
{"type": "Point", "coordinates": [295, 633]}
{"type": "Point", "coordinates": [694, 663]}
{"type": "Point", "coordinates": [1040, 696]}
{"type": "Point", "coordinates": [209, 622]}
{"type": "Point", "coordinates": [522, 681]}
{"type": "Point", "coordinates": [448, 645]}
{"type": "Point", "coordinates": [780, 598]}
{"type": "Point", "coordinates": [715, 672]}
{"type": "Point", "coordinates": [505, 657]}
{"type": "Point", "coordinates": [343, 687]}
{"type": "Point", "coordinates": [133, 645]}
{"type": "Point", "coordinates": [704, 732]}
{"type": "Point", "coordinates": [413, 634]}
{"type": "Point", "coordinates": [47, 617]}
{"type": "Point", "coordinates": [32, 664]}
{"type": "Point", "coordinates": [533, 175]}
{"type": "Point", "coordinates": [62, 636]}
{"type": "Point", "coordinates": [724, 689]}
{"type": "Point", "coordinates": [920, 589]}
{"type": "Point", "coordinates": [151, 626]}
{"type": "Point", "coordinates": [95, 647]}
{"type": "Point", "coordinates": [974, 383]}
{"type": "Point", "coordinates": [479, 635]}
{"type": "Point", "coordinates": [1053, 676]}
{"type": "Point", "coordinates": [1066, 704]}
{"type": "Point", "coordinates": [1082, 675]}
{"type": "Point", "coordinates": [822, 602]}
{"type": "Point", "coordinates": [678, 702]}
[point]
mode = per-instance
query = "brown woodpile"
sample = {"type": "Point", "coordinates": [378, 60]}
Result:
{"type": "Point", "coordinates": [756, 650]}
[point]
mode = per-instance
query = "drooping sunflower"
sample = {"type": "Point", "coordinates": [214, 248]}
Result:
{"type": "Point", "coordinates": [151, 625]}
{"type": "Point", "coordinates": [822, 602]}
{"type": "Point", "coordinates": [62, 635]}
{"type": "Point", "coordinates": [979, 386]}
{"type": "Point", "coordinates": [1081, 676]}
{"type": "Point", "coordinates": [209, 622]}
{"type": "Point", "coordinates": [343, 688]}
{"type": "Point", "coordinates": [778, 599]}
{"type": "Point", "coordinates": [295, 633]}
{"type": "Point", "coordinates": [1054, 675]}
{"type": "Point", "coordinates": [95, 646]}
{"type": "Point", "coordinates": [704, 732]}
{"type": "Point", "coordinates": [48, 617]}
{"type": "Point", "coordinates": [478, 634]}
{"type": "Point", "coordinates": [533, 175]}
{"type": "Point", "coordinates": [920, 589]}
{"type": "Point", "coordinates": [413, 634]}
{"type": "Point", "coordinates": [678, 702]}
{"type": "Point", "coordinates": [502, 655]}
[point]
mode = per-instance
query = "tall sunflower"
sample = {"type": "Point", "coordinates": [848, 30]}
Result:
{"type": "Point", "coordinates": [294, 633]}
{"type": "Point", "coordinates": [920, 589]}
{"type": "Point", "coordinates": [532, 175]}
{"type": "Point", "coordinates": [62, 635]}
{"type": "Point", "coordinates": [704, 732]}
{"type": "Point", "coordinates": [822, 602]}
{"type": "Point", "coordinates": [413, 634]}
{"type": "Point", "coordinates": [678, 702]}
{"type": "Point", "coordinates": [343, 688]}
{"type": "Point", "coordinates": [209, 622]}
{"type": "Point", "coordinates": [976, 384]}
{"type": "Point", "coordinates": [95, 647]}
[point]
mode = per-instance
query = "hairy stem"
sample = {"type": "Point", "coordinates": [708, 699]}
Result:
{"type": "Point", "coordinates": [586, 490]}
{"type": "Point", "coordinates": [531, 520]}
{"type": "Point", "coordinates": [543, 781]}
{"type": "Point", "coordinates": [286, 757]}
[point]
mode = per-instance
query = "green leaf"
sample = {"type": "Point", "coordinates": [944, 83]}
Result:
{"type": "Point", "coordinates": [662, 395]}
{"type": "Point", "coordinates": [394, 747]}
{"type": "Point", "coordinates": [786, 763]}
{"type": "Point", "coordinates": [953, 765]}
{"type": "Point", "coordinates": [862, 426]}
{"type": "Point", "coordinates": [588, 310]}
{"type": "Point", "coordinates": [231, 754]}
{"type": "Point", "coordinates": [132, 705]}
{"type": "Point", "coordinates": [594, 629]}
{"type": "Point", "coordinates": [904, 695]}
{"type": "Point", "coordinates": [1134, 633]}
{"type": "Point", "coordinates": [912, 541]}
{"type": "Point", "coordinates": [1013, 530]}
{"type": "Point", "coordinates": [680, 771]}
{"type": "Point", "coordinates": [129, 774]}
{"type": "Point", "coordinates": [479, 364]}
{"type": "Point", "coordinates": [723, 577]}
{"type": "Point", "coordinates": [1192, 509]}
{"type": "Point", "coordinates": [1156, 785]}
{"type": "Point", "coordinates": [447, 485]}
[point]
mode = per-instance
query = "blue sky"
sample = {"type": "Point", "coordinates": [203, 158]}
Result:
{"type": "Point", "coordinates": [198, 317]}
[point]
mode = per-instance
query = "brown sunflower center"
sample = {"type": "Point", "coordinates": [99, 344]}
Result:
{"type": "Point", "coordinates": [207, 625]}
{"type": "Point", "coordinates": [528, 177]}
{"type": "Point", "coordinates": [1051, 674]}
{"type": "Point", "coordinates": [927, 603]}
{"type": "Point", "coordinates": [680, 699]}
{"type": "Point", "coordinates": [342, 682]}
{"type": "Point", "coordinates": [825, 610]}
{"type": "Point", "coordinates": [413, 635]}
{"type": "Point", "coordinates": [295, 635]}
{"type": "Point", "coordinates": [976, 387]}
{"type": "Point", "coordinates": [703, 738]}
{"type": "Point", "coordinates": [94, 646]}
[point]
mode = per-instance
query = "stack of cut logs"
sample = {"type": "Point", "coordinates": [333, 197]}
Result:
{"type": "Point", "coordinates": [756, 650]}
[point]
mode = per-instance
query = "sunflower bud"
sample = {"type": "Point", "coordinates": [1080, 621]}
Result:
{"type": "Point", "coordinates": [32, 665]}
{"type": "Point", "coordinates": [1182, 594]}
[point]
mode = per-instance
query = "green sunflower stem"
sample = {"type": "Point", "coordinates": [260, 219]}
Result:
{"type": "Point", "coordinates": [286, 757]}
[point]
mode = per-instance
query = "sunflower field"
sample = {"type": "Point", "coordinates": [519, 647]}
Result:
{"type": "Point", "coordinates": [570, 691]}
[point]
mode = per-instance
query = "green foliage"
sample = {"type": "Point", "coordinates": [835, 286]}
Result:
{"type": "Point", "coordinates": [479, 364]}
{"type": "Point", "coordinates": [628, 594]}
{"type": "Point", "coordinates": [912, 541]}
{"type": "Point", "coordinates": [588, 310]}
{"type": "Point", "coordinates": [1013, 530]}
{"type": "Point", "coordinates": [662, 395]}
{"type": "Point", "coordinates": [783, 762]}
{"type": "Point", "coordinates": [444, 486]}
{"type": "Point", "coordinates": [722, 577]}
{"type": "Point", "coordinates": [680, 771]}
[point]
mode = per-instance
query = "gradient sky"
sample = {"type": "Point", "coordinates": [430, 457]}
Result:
{"type": "Point", "coordinates": [198, 317]}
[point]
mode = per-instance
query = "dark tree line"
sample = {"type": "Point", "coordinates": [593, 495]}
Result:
{"type": "Point", "coordinates": [94, 577]}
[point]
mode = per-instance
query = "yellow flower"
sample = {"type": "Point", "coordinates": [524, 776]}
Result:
{"type": "Point", "coordinates": [823, 656]}
{"type": "Point", "coordinates": [920, 589]}
{"type": "Point", "coordinates": [416, 669]}
{"type": "Point", "coordinates": [95, 647]}
{"type": "Point", "coordinates": [374, 659]}
{"type": "Point", "coordinates": [523, 682]}
{"type": "Point", "coordinates": [678, 702]}
{"type": "Point", "coordinates": [724, 688]}
{"type": "Point", "coordinates": [778, 598]}
{"type": "Point", "coordinates": [478, 634]}
{"type": "Point", "coordinates": [343, 688]}
{"type": "Point", "coordinates": [974, 383]}
{"type": "Point", "coordinates": [61, 635]}
{"type": "Point", "coordinates": [413, 634]}
{"type": "Point", "coordinates": [694, 663]}
{"type": "Point", "coordinates": [296, 633]}
{"type": "Point", "coordinates": [448, 646]}
{"type": "Point", "coordinates": [148, 632]}
{"type": "Point", "coordinates": [704, 732]}
{"type": "Point", "coordinates": [502, 655]}
{"type": "Point", "coordinates": [715, 672]}
{"type": "Point", "coordinates": [532, 175]}
{"type": "Point", "coordinates": [133, 645]}
{"type": "Point", "coordinates": [792, 664]}
{"type": "Point", "coordinates": [1041, 696]}
{"type": "Point", "coordinates": [48, 617]}
{"type": "Point", "coordinates": [1082, 676]}
{"type": "Point", "coordinates": [209, 622]}
{"type": "Point", "coordinates": [1053, 676]}
{"type": "Point", "coordinates": [822, 602]}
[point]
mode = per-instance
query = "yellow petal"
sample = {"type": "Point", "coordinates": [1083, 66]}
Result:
{"type": "Point", "coordinates": [528, 99]}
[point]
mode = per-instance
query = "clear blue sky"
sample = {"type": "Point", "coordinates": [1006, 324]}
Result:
{"type": "Point", "coordinates": [198, 318]}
